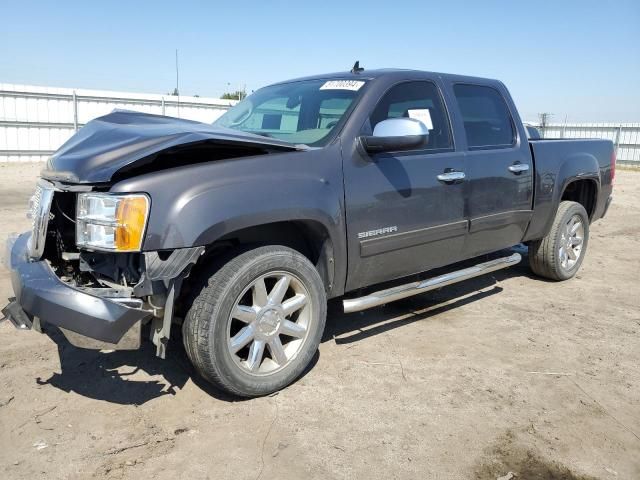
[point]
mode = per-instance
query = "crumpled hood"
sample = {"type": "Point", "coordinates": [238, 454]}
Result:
{"type": "Point", "coordinates": [109, 143]}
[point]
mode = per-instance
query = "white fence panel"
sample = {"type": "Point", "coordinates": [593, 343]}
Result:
{"type": "Point", "coordinates": [625, 136]}
{"type": "Point", "coordinates": [35, 121]}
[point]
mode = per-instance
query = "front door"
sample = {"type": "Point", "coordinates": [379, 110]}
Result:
{"type": "Point", "coordinates": [404, 212]}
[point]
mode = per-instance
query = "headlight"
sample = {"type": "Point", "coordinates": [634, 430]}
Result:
{"type": "Point", "coordinates": [111, 222]}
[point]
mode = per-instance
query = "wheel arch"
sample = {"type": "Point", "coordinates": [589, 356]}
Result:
{"type": "Point", "coordinates": [583, 191]}
{"type": "Point", "coordinates": [576, 178]}
{"type": "Point", "coordinates": [309, 237]}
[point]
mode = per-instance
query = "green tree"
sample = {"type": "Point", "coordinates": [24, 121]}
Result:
{"type": "Point", "coordinates": [237, 95]}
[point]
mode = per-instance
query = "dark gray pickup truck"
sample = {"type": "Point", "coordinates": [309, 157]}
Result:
{"type": "Point", "coordinates": [371, 186]}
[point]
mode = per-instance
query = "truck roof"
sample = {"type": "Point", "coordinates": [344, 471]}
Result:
{"type": "Point", "coordinates": [394, 73]}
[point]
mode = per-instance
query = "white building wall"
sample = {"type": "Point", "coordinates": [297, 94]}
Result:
{"type": "Point", "coordinates": [35, 121]}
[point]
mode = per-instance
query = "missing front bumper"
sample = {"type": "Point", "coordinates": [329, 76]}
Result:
{"type": "Point", "coordinates": [89, 321]}
{"type": "Point", "coordinates": [21, 320]}
{"type": "Point", "coordinates": [129, 341]}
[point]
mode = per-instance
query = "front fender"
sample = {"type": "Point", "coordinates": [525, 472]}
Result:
{"type": "Point", "coordinates": [208, 211]}
{"type": "Point", "coordinates": [198, 204]}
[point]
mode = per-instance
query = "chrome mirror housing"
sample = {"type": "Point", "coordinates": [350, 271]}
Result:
{"type": "Point", "coordinates": [395, 134]}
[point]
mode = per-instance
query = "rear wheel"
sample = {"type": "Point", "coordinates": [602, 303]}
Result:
{"type": "Point", "coordinates": [558, 256]}
{"type": "Point", "coordinates": [257, 323]}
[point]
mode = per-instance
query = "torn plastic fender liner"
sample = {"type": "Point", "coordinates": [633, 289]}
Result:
{"type": "Point", "coordinates": [170, 272]}
{"type": "Point", "coordinates": [159, 273]}
{"type": "Point", "coordinates": [117, 140]}
{"type": "Point", "coordinates": [174, 265]}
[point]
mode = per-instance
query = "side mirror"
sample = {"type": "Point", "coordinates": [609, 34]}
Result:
{"type": "Point", "coordinates": [395, 134]}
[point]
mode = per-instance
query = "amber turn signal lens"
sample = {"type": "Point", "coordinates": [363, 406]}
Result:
{"type": "Point", "coordinates": [131, 218]}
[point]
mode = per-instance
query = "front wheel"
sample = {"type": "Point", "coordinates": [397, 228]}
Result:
{"type": "Point", "coordinates": [257, 323]}
{"type": "Point", "coordinates": [558, 256]}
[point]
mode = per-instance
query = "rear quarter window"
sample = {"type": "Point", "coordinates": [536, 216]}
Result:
{"type": "Point", "coordinates": [486, 117]}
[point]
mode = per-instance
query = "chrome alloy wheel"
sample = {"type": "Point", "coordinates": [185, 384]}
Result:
{"type": "Point", "coordinates": [571, 241]}
{"type": "Point", "coordinates": [269, 323]}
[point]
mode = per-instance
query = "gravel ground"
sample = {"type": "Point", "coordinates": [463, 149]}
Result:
{"type": "Point", "coordinates": [505, 373]}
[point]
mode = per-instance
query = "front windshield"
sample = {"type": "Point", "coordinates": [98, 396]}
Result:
{"type": "Point", "coordinates": [303, 112]}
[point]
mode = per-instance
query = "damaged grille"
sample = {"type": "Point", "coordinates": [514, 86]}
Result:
{"type": "Point", "coordinates": [39, 209]}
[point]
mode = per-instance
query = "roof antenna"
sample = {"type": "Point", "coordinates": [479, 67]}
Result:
{"type": "Point", "coordinates": [356, 67]}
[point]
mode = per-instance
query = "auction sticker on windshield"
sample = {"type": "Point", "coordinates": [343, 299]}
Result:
{"type": "Point", "coordinates": [354, 85]}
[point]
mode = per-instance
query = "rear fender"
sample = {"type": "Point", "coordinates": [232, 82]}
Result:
{"type": "Point", "coordinates": [552, 179]}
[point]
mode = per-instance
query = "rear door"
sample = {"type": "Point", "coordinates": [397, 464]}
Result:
{"type": "Point", "coordinates": [402, 218]}
{"type": "Point", "coordinates": [499, 169]}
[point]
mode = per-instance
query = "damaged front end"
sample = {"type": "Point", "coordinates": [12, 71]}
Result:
{"type": "Point", "coordinates": [98, 299]}
{"type": "Point", "coordinates": [82, 267]}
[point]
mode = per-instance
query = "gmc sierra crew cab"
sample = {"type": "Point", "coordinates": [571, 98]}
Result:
{"type": "Point", "coordinates": [368, 186]}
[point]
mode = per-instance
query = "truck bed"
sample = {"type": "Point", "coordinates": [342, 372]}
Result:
{"type": "Point", "coordinates": [560, 161]}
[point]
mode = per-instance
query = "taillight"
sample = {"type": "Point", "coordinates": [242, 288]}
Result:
{"type": "Point", "coordinates": [613, 166]}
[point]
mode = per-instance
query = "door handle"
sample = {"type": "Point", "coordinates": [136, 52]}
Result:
{"type": "Point", "coordinates": [519, 167]}
{"type": "Point", "coordinates": [451, 176]}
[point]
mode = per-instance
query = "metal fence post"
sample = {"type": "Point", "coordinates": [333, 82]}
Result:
{"type": "Point", "coordinates": [618, 135]}
{"type": "Point", "coordinates": [75, 111]}
{"type": "Point", "coordinates": [163, 106]}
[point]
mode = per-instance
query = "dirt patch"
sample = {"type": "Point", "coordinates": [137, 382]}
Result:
{"type": "Point", "coordinates": [507, 461]}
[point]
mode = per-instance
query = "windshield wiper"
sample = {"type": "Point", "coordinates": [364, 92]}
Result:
{"type": "Point", "coordinates": [269, 135]}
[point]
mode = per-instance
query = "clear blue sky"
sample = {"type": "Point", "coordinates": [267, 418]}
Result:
{"type": "Point", "coordinates": [575, 58]}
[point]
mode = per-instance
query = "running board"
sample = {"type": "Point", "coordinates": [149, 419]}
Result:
{"type": "Point", "coordinates": [410, 289]}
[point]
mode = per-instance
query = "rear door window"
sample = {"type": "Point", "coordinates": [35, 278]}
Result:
{"type": "Point", "coordinates": [486, 117]}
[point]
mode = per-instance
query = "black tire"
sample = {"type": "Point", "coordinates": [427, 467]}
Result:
{"type": "Point", "coordinates": [545, 256]}
{"type": "Point", "coordinates": [206, 329]}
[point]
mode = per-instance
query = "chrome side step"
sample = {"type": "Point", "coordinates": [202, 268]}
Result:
{"type": "Point", "coordinates": [415, 288]}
